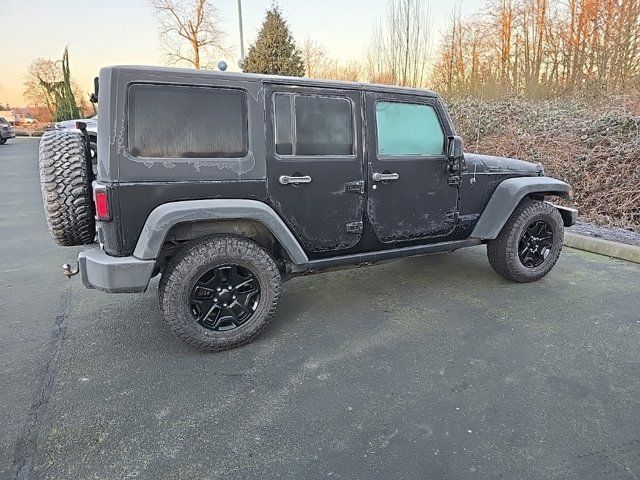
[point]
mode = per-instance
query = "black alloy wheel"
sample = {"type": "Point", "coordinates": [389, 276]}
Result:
{"type": "Point", "coordinates": [529, 244]}
{"type": "Point", "coordinates": [219, 267]}
{"type": "Point", "coordinates": [535, 243]}
{"type": "Point", "coordinates": [225, 297]}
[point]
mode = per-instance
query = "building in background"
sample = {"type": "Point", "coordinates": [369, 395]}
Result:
{"type": "Point", "coordinates": [9, 115]}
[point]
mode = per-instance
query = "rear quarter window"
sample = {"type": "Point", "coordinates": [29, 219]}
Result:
{"type": "Point", "coordinates": [171, 121]}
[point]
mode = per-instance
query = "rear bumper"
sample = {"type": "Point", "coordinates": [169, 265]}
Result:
{"type": "Point", "coordinates": [114, 274]}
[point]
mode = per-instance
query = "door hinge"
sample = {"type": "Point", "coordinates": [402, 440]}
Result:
{"type": "Point", "coordinates": [452, 216]}
{"type": "Point", "coordinates": [356, 186]}
{"type": "Point", "coordinates": [454, 181]}
{"type": "Point", "coordinates": [354, 227]}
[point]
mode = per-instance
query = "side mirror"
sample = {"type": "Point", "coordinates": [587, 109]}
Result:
{"type": "Point", "coordinates": [455, 148]}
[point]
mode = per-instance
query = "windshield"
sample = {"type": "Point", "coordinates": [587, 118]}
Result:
{"type": "Point", "coordinates": [3, 120]}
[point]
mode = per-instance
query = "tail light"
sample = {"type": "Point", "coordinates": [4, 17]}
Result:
{"type": "Point", "coordinates": [101, 202]}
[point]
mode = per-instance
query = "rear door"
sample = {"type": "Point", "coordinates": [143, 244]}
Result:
{"type": "Point", "coordinates": [410, 197]}
{"type": "Point", "coordinates": [314, 164]}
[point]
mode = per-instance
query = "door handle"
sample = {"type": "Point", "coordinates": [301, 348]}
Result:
{"type": "Point", "coordinates": [286, 179]}
{"type": "Point", "coordinates": [383, 177]}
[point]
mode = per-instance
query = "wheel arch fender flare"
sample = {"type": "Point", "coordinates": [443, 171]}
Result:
{"type": "Point", "coordinates": [165, 216]}
{"type": "Point", "coordinates": [506, 198]}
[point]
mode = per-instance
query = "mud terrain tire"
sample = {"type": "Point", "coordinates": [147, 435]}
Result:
{"type": "Point", "coordinates": [65, 181]}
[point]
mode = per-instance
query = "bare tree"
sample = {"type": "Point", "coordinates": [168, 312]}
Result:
{"type": "Point", "coordinates": [316, 60]}
{"type": "Point", "coordinates": [35, 93]}
{"type": "Point", "coordinates": [42, 72]}
{"type": "Point", "coordinates": [318, 64]}
{"type": "Point", "coordinates": [189, 31]}
{"type": "Point", "coordinates": [466, 60]}
{"type": "Point", "coordinates": [539, 47]}
{"type": "Point", "coordinates": [400, 43]}
{"type": "Point", "coordinates": [349, 71]}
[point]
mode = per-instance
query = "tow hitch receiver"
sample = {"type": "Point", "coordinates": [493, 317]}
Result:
{"type": "Point", "coordinates": [69, 271]}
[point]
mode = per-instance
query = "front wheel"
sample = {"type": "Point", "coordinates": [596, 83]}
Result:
{"type": "Point", "coordinates": [3, 141]}
{"type": "Point", "coordinates": [529, 244]}
{"type": "Point", "coordinates": [219, 292]}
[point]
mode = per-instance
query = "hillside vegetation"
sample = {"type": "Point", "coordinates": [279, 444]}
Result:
{"type": "Point", "coordinates": [593, 144]}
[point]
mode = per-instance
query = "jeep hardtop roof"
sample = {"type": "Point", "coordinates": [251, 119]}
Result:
{"type": "Point", "coordinates": [240, 76]}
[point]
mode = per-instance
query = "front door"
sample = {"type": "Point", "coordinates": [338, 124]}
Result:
{"type": "Point", "coordinates": [315, 175]}
{"type": "Point", "coordinates": [409, 197]}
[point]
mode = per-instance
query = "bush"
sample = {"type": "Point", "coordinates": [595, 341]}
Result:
{"type": "Point", "coordinates": [593, 145]}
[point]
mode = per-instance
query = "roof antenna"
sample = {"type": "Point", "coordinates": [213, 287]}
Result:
{"type": "Point", "coordinates": [242, 61]}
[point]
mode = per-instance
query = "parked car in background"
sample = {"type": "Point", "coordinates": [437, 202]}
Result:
{"type": "Point", "coordinates": [27, 121]}
{"type": "Point", "coordinates": [92, 132]}
{"type": "Point", "coordinates": [6, 130]}
{"type": "Point", "coordinates": [92, 124]}
{"type": "Point", "coordinates": [9, 116]}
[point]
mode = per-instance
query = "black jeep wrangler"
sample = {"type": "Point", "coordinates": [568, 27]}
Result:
{"type": "Point", "coordinates": [227, 183]}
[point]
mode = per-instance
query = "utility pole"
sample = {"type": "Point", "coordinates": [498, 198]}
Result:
{"type": "Point", "coordinates": [241, 61]}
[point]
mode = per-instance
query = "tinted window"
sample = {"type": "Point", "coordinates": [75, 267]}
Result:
{"type": "Point", "coordinates": [322, 125]}
{"type": "Point", "coordinates": [408, 129]}
{"type": "Point", "coordinates": [283, 124]}
{"type": "Point", "coordinates": [167, 121]}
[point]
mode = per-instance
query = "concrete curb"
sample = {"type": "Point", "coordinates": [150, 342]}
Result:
{"type": "Point", "coordinates": [600, 246]}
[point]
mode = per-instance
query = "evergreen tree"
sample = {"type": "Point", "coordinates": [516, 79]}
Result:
{"type": "Point", "coordinates": [274, 51]}
{"type": "Point", "coordinates": [62, 94]}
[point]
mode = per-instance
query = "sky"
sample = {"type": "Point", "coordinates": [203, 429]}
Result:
{"type": "Point", "coordinates": [125, 32]}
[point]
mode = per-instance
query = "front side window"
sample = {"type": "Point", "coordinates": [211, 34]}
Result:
{"type": "Point", "coordinates": [319, 126]}
{"type": "Point", "coordinates": [171, 121]}
{"type": "Point", "coordinates": [408, 129]}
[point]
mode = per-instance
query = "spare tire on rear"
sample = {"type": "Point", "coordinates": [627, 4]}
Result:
{"type": "Point", "coordinates": [65, 180]}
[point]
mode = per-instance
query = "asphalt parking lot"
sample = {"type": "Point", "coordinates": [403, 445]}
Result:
{"type": "Point", "coordinates": [424, 368]}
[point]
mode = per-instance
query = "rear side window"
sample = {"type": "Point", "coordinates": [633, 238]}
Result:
{"type": "Point", "coordinates": [284, 127]}
{"type": "Point", "coordinates": [319, 126]}
{"type": "Point", "coordinates": [170, 121]}
{"type": "Point", "coordinates": [408, 129]}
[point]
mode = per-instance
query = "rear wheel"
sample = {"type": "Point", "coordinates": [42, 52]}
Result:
{"type": "Point", "coordinates": [529, 244]}
{"type": "Point", "coordinates": [219, 292]}
{"type": "Point", "coordinates": [3, 141]}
